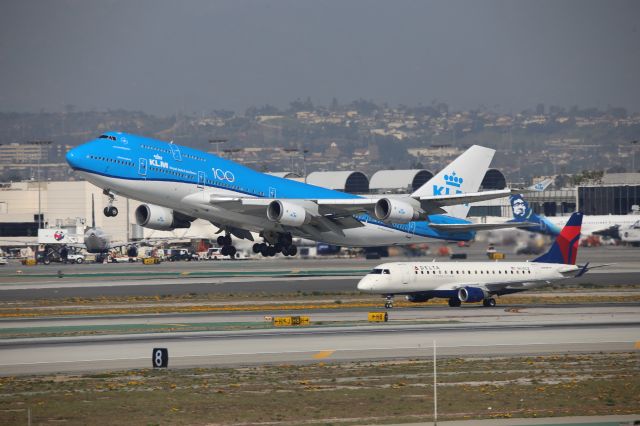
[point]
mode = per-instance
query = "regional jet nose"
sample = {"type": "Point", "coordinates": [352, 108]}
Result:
{"type": "Point", "coordinates": [365, 284]}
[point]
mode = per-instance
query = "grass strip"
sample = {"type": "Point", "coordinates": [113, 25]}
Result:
{"type": "Point", "coordinates": [367, 392]}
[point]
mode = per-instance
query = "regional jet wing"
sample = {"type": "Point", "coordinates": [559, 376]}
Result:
{"type": "Point", "coordinates": [462, 227]}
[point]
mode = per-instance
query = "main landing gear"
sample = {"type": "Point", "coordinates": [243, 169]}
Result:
{"type": "Point", "coordinates": [226, 243]}
{"type": "Point", "coordinates": [489, 303]}
{"type": "Point", "coordinates": [110, 210]}
{"type": "Point", "coordinates": [454, 302]}
{"type": "Point", "coordinates": [388, 303]}
{"type": "Point", "coordinates": [274, 244]}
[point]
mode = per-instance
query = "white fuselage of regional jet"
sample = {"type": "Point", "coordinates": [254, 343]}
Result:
{"type": "Point", "coordinates": [417, 277]}
{"type": "Point", "coordinates": [188, 199]}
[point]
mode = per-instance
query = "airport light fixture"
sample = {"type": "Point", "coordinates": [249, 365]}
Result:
{"type": "Point", "coordinates": [39, 144]}
{"type": "Point", "coordinates": [304, 152]}
{"type": "Point", "coordinates": [217, 142]}
{"type": "Point", "coordinates": [230, 151]}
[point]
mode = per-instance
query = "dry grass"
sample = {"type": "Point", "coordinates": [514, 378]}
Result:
{"type": "Point", "coordinates": [341, 393]}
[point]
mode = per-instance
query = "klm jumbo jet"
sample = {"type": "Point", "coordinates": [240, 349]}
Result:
{"type": "Point", "coordinates": [178, 184]}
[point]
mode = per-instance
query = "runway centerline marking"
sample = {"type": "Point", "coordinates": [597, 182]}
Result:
{"type": "Point", "coordinates": [323, 354]}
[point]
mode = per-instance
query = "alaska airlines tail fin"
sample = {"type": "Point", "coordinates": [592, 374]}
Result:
{"type": "Point", "coordinates": [462, 175]}
{"type": "Point", "coordinates": [522, 212]}
{"type": "Point", "coordinates": [565, 248]}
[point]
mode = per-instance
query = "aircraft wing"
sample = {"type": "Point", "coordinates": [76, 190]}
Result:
{"type": "Point", "coordinates": [432, 204]}
{"type": "Point", "coordinates": [463, 227]}
{"type": "Point", "coordinates": [323, 218]}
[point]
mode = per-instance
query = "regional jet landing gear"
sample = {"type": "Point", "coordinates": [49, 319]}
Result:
{"type": "Point", "coordinates": [388, 303]}
{"type": "Point", "coordinates": [489, 303]}
{"type": "Point", "coordinates": [454, 302]}
{"type": "Point", "coordinates": [276, 243]}
{"type": "Point", "coordinates": [110, 210]}
{"type": "Point", "coordinates": [226, 243]}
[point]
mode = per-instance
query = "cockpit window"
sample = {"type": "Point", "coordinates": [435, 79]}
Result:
{"type": "Point", "coordinates": [386, 272]}
{"type": "Point", "coordinates": [376, 272]}
{"type": "Point", "coordinates": [111, 138]}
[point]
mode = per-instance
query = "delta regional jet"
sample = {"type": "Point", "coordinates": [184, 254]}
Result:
{"type": "Point", "coordinates": [178, 184]}
{"type": "Point", "coordinates": [478, 281]}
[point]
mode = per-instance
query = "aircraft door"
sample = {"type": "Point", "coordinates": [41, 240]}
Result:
{"type": "Point", "coordinates": [272, 192]}
{"type": "Point", "coordinates": [176, 152]}
{"type": "Point", "coordinates": [406, 275]}
{"type": "Point", "coordinates": [142, 167]}
{"type": "Point", "coordinates": [411, 229]}
{"type": "Point", "coordinates": [201, 180]}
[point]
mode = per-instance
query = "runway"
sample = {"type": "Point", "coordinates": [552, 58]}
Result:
{"type": "Point", "coordinates": [265, 276]}
{"type": "Point", "coordinates": [410, 333]}
{"type": "Point", "coordinates": [97, 342]}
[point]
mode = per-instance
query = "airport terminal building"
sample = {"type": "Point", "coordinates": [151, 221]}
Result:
{"type": "Point", "coordinates": [68, 204]}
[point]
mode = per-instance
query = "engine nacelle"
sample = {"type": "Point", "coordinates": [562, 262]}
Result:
{"type": "Point", "coordinates": [395, 211]}
{"type": "Point", "coordinates": [161, 218]}
{"type": "Point", "coordinates": [288, 214]}
{"type": "Point", "coordinates": [472, 294]}
{"type": "Point", "coordinates": [417, 298]}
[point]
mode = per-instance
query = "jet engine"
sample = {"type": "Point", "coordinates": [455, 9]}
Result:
{"type": "Point", "coordinates": [472, 294]}
{"type": "Point", "coordinates": [161, 218]}
{"type": "Point", "coordinates": [287, 214]}
{"type": "Point", "coordinates": [395, 211]}
{"type": "Point", "coordinates": [417, 298]}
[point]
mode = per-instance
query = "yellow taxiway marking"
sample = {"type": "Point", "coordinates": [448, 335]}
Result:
{"type": "Point", "coordinates": [323, 354]}
{"type": "Point", "coordinates": [637, 345]}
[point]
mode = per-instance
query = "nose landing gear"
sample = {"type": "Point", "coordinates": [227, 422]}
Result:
{"type": "Point", "coordinates": [388, 304]}
{"type": "Point", "coordinates": [110, 210]}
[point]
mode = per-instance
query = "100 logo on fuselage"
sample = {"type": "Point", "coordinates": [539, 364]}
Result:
{"type": "Point", "coordinates": [223, 174]}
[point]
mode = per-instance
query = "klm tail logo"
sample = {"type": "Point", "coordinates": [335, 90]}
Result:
{"type": "Point", "coordinates": [451, 186]}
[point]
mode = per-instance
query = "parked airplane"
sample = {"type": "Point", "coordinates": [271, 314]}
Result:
{"type": "Point", "coordinates": [631, 234]}
{"type": "Point", "coordinates": [477, 281]}
{"type": "Point", "coordinates": [179, 184]}
{"type": "Point", "coordinates": [606, 225]}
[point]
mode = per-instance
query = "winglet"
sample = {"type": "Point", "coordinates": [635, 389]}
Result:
{"type": "Point", "coordinates": [565, 248]}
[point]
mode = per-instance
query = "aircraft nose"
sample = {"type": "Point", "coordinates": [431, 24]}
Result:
{"type": "Point", "coordinates": [365, 284]}
{"type": "Point", "coordinates": [73, 157]}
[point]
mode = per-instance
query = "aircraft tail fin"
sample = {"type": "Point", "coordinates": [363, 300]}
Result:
{"type": "Point", "coordinates": [462, 175]}
{"type": "Point", "coordinates": [565, 248]}
{"type": "Point", "coordinates": [522, 212]}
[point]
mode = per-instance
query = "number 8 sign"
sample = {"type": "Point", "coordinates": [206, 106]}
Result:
{"type": "Point", "coordinates": [160, 357]}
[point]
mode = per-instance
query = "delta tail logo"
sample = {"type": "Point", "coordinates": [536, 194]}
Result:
{"type": "Point", "coordinates": [452, 183]}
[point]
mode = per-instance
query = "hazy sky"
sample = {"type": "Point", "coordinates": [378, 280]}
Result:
{"type": "Point", "coordinates": [198, 55]}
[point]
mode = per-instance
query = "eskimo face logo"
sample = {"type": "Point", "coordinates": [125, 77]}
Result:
{"type": "Point", "coordinates": [452, 183]}
{"type": "Point", "coordinates": [223, 175]}
{"type": "Point", "coordinates": [519, 206]}
{"type": "Point", "coordinates": [58, 235]}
